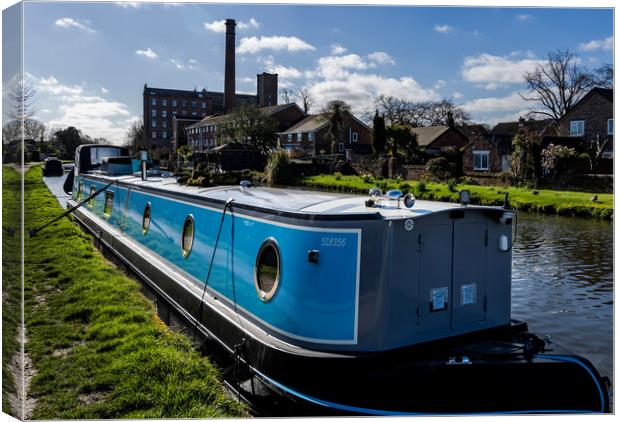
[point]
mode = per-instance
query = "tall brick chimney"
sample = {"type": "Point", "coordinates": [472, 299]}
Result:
{"type": "Point", "coordinates": [229, 67]}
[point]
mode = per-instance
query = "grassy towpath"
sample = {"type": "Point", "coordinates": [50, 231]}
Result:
{"type": "Point", "coordinates": [574, 204]}
{"type": "Point", "coordinates": [11, 292]}
{"type": "Point", "coordinates": [97, 345]}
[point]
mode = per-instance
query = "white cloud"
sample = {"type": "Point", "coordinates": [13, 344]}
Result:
{"type": "Point", "coordinates": [492, 72]}
{"type": "Point", "coordinates": [192, 64]}
{"type": "Point", "coordinates": [444, 29]}
{"type": "Point", "coordinates": [381, 57]}
{"type": "Point", "coordinates": [216, 26]}
{"type": "Point", "coordinates": [282, 71]}
{"type": "Point", "coordinates": [148, 53]}
{"type": "Point", "coordinates": [51, 86]}
{"type": "Point", "coordinates": [253, 45]}
{"type": "Point", "coordinates": [176, 64]}
{"type": "Point", "coordinates": [219, 26]}
{"type": "Point", "coordinates": [524, 17]}
{"type": "Point", "coordinates": [493, 110]}
{"type": "Point", "coordinates": [103, 90]}
{"type": "Point", "coordinates": [343, 78]}
{"type": "Point", "coordinates": [337, 67]}
{"type": "Point", "coordinates": [72, 23]}
{"type": "Point", "coordinates": [457, 95]}
{"type": "Point", "coordinates": [605, 44]}
{"type": "Point", "coordinates": [251, 24]}
{"type": "Point", "coordinates": [76, 105]}
{"type": "Point", "coordinates": [129, 4]}
{"type": "Point", "coordinates": [360, 90]}
{"type": "Point", "coordinates": [337, 49]}
{"type": "Point", "coordinates": [439, 84]}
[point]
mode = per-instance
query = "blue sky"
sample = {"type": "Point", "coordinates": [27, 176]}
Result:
{"type": "Point", "coordinates": [89, 61]}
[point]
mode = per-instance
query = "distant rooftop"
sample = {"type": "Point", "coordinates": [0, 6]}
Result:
{"type": "Point", "coordinates": [309, 124]}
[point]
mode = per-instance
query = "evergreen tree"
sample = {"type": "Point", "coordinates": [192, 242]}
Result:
{"type": "Point", "coordinates": [379, 134]}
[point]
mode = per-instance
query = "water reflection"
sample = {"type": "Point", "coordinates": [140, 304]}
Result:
{"type": "Point", "coordinates": [562, 283]}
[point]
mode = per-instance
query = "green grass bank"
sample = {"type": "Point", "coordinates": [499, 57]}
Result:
{"type": "Point", "coordinates": [11, 288]}
{"type": "Point", "coordinates": [98, 348]}
{"type": "Point", "coordinates": [566, 203]}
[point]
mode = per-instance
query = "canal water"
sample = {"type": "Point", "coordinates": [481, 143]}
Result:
{"type": "Point", "coordinates": [562, 281]}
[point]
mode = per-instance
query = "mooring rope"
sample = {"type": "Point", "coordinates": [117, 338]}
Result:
{"type": "Point", "coordinates": [35, 230]}
{"type": "Point", "coordinates": [204, 290]}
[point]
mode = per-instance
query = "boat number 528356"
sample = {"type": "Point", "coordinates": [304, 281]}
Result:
{"type": "Point", "coordinates": [333, 242]}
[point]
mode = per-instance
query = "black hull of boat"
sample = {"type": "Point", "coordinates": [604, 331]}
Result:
{"type": "Point", "coordinates": [500, 371]}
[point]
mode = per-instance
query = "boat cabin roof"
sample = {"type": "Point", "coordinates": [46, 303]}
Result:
{"type": "Point", "coordinates": [285, 199]}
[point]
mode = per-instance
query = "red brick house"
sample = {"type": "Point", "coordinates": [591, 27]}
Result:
{"type": "Point", "coordinates": [311, 136]}
{"type": "Point", "coordinates": [483, 155]}
{"type": "Point", "coordinates": [434, 138]}
{"type": "Point", "coordinates": [204, 135]}
{"type": "Point", "coordinates": [592, 118]}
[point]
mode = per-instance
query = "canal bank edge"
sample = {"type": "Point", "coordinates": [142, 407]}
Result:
{"type": "Point", "coordinates": [97, 345]}
{"type": "Point", "coordinates": [564, 203]}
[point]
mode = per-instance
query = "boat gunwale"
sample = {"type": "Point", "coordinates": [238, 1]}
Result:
{"type": "Point", "coordinates": [300, 215]}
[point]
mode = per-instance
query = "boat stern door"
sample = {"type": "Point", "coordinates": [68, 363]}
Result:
{"type": "Point", "coordinates": [452, 275]}
{"type": "Point", "coordinates": [469, 272]}
{"type": "Point", "coordinates": [435, 275]}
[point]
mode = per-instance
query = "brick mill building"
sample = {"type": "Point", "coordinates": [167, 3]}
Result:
{"type": "Point", "coordinates": [168, 112]}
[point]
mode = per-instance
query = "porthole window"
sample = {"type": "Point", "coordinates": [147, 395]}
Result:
{"type": "Point", "coordinates": [146, 218]}
{"type": "Point", "coordinates": [187, 238]}
{"type": "Point", "coordinates": [91, 201]}
{"type": "Point", "coordinates": [267, 270]}
{"type": "Point", "coordinates": [108, 203]}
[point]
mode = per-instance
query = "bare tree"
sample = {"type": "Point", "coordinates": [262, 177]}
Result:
{"type": "Point", "coordinates": [287, 95]}
{"type": "Point", "coordinates": [250, 125]}
{"type": "Point", "coordinates": [604, 76]}
{"type": "Point", "coordinates": [32, 129]}
{"type": "Point", "coordinates": [135, 136]}
{"type": "Point", "coordinates": [306, 99]}
{"type": "Point", "coordinates": [558, 84]}
{"type": "Point", "coordinates": [398, 111]}
{"type": "Point", "coordinates": [21, 112]}
{"type": "Point", "coordinates": [21, 100]}
{"type": "Point", "coordinates": [445, 113]}
{"type": "Point", "coordinates": [595, 149]}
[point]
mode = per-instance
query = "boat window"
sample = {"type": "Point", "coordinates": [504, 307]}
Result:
{"type": "Point", "coordinates": [80, 188]}
{"type": "Point", "coordinates": [187, 239]}
{"type": "Point", "coordinates": [267, 270]}
{"type": "Point", "coordinates": [91, 201]}
{"type": "Point", "coordinates": [146, 218]}
{"type": "Point", "coordinates": [108, 203]}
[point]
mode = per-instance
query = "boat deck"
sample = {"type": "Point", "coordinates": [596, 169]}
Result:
{"type": "Point", "coordinates": [287, 199]}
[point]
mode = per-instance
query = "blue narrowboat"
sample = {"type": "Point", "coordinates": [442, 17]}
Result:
{"type": "Point", "coordinates": [343, 304]}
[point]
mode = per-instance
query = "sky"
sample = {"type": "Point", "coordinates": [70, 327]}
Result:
{"type": "Point", "coordinates": [89, 61]}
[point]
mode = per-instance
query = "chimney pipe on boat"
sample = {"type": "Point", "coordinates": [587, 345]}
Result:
{"type": "Point", "coordinates": [143, 158]}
